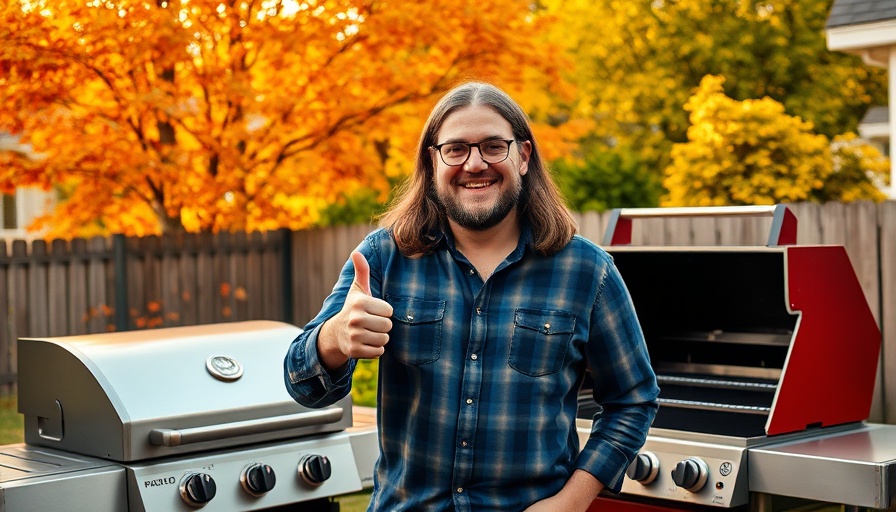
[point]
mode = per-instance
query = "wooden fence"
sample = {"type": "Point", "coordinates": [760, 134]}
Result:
{"type": "Point", "coordinates": [89, 286]}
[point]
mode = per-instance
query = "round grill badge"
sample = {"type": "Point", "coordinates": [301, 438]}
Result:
{"type": "Point", "coordinates": [224, 368]}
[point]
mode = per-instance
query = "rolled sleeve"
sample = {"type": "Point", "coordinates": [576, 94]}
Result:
{"type": "Point", "coordinates": [307, 381]}
{"type": "Point", "coordinates": [624, 384]}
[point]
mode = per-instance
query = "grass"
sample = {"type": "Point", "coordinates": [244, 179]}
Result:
{"type": "Point", "coordinates": [12, 431]}
{"type": "Point", "coordinates": [356, 502]}
{"type": "Point", "coordinates": [12, 424]}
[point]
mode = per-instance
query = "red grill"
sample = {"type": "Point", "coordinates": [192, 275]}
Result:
{"type": "Point", "coordinates": [753, 347]}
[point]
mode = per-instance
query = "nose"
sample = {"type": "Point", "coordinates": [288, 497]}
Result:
{"type": "Point", "coordinates": [474, 162]}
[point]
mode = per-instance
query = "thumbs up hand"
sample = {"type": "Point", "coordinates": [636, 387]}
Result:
{"type": "Point", "coordinates": [361, 329]}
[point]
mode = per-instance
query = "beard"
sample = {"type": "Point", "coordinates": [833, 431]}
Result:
{"type": "Point", "coordinates": [479, 218]}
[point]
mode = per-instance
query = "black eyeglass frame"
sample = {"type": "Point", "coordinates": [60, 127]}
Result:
{"type": "Point", "coordinates": [470, 146]}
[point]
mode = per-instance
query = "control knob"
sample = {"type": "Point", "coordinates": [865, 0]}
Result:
{"type": "Point", "coordinates": [197, 489]}
{"type": "Point", "coordinates": [315, 469]}
{"type": "Point", "coordinates": [644, 468]}
{"type": "Point", "coordinates": [257, 479]}
{"type": "Point", "coordinates": [690, 474]}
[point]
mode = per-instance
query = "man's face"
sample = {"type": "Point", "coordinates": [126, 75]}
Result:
{"type": "Point", "coordinates": [477, 195]}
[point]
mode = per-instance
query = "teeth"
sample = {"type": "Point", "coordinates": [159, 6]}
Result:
{"type": "Point", "coordinates": [476, 185]}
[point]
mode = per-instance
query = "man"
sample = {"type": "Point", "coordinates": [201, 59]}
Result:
{"type": "Point", "coordinates": [485, 311]}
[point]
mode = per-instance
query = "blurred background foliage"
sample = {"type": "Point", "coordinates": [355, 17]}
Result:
{"type": "Point", "coordinates": [167, 115]}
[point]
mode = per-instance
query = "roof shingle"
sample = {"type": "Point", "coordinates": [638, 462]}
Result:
{"type": "Point", "coordinates": [859, 12]}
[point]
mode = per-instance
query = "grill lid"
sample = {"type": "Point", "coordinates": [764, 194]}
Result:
{"type": "Point", "coordinates": [751, 341]}
{"type": "Point", "coordinates": [143, 394]}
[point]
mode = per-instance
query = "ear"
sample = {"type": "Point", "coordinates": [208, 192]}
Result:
{"type": "Point", "coordinates": [434, 158]}
{"type": "Point", "coordinates": [525, 154]}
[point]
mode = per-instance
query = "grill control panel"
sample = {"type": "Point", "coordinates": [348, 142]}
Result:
{"type": "Point", "coordinates": [689, 472]}
{"type": "Point", "coordinates": [252, 478]}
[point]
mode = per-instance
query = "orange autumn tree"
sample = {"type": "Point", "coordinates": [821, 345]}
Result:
{"type": "Point", "coordinates": [201, 115]}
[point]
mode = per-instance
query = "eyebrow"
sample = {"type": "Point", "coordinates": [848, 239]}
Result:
{"type": "Point", "coordinates": [491, 137]}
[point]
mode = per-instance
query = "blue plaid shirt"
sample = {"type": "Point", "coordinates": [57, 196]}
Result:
{"type": "Point", "coordinates": [477, 392]}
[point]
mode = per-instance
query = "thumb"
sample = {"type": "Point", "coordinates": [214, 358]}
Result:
{"type": "Point", "coordinates": [362, 272]}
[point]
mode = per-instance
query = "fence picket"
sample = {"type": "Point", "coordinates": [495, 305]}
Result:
{"type": "Point", "coordinates": [37, 288]}
{"type": "Point", "coordinates": [58, 284]}
{"type": "Point", "coordinates": [7, 375]}
{"type": "Point", "coordinates": [76, 305]}
{"type": "Point", "coordinates": [171, 247]}
{"type": "Point", "coordinates": [18, 299]}
{"type": "Point", "coordinates": [887, 223]}
{"type": "Point", "coordinates": [100, 313]}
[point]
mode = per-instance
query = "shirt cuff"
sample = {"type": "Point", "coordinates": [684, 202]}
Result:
{"type": "Point", "coordinates": [310, 380]}
{"type": "Point", "coordinates": [605, 462]}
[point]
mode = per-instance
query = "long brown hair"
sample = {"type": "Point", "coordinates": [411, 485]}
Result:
{"type": "Point", "coordinates": [415, 214]}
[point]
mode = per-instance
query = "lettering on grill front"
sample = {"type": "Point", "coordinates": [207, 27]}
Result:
{"type": "Point", "coordinates": [169, 480]}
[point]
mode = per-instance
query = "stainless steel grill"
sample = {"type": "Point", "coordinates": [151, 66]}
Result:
{"type": "Point", "coordinates": [176, 419]}
{"type": "Point", "coordinates": [754, 347]}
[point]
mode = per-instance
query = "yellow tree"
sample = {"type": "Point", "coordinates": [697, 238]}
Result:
{"type": "Point", "coordinates": [751, 152]}
{"type": "Point", "coordinates": [638, 62]}
{"type": "Point", "coordinates": [157, 116]}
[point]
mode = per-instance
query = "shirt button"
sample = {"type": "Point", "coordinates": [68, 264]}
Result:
{"type": "Point", "coordinates": [460, 489]}
{"type": "Point", "coordinates": [469, 401]}
{"type": "Point", "coordinates": [478, 311]}
{"type": "Point", "coordinates": [472, 271]}
{"type": "Point", "coordinates": [463, 443]}
{"type": "Point", "coordinates": [474, 357]}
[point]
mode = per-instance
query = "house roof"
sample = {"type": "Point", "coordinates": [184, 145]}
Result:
{"type": "Point", "coordinates": [877, 114]}
{"type": "Point", "coordinates": [859, 12]}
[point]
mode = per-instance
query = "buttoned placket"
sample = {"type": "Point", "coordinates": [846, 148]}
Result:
{"type": "Point", "coordinates": [470, 394]}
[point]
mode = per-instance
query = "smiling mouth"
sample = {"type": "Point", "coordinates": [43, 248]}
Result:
{"type": "Point", "coordinates": [477, 184]}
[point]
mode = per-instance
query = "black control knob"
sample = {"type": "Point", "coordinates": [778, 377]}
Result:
{"type": "Point", "coordinates": [197, 489]}
{"type": "Point", "coordinates": [315, 469]}
{"type": "Point", "coordinates": [690, 474]}
{"type": "Point", "coordinates": [644, 468]}
{"type": "Point", "coordinates": [258, 479]}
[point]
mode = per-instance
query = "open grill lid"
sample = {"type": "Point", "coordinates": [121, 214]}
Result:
{"type": "Point", "coordinates": [144, 394]}
{"type": "Point", "coordinates": [749, 341]}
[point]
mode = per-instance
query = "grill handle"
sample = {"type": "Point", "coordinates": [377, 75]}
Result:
{"type": "Point", "coordinates": [178, 437]}
{"type": "Point", "coordinates": [782, 232]}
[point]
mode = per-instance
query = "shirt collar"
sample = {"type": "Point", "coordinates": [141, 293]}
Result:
{"type": "Point", "coordinates": [444, 237]}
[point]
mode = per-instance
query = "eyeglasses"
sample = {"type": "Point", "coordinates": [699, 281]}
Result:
{"type": "Point", "coordinates": [493, 151]}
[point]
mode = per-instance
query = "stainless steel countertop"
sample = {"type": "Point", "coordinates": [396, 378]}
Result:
{"type": "Point", "coordinates": [856, 467]}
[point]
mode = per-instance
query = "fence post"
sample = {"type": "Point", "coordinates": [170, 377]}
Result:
{"type": "Point", "coordinates": [286, 274]}
{"type": "Point", "coordinates": [120, 271]}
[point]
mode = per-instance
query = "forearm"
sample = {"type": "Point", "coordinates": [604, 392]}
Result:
{"type": "Point", "coordinates": [579, 491]}
{"type": "Point", "coordinates": [575, 496]}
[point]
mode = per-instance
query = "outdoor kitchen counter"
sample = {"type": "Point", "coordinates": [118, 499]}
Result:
{"type": "Point", "coordinates": [854, 468]}
{"type": "Point", "coordinates": [364, 442]}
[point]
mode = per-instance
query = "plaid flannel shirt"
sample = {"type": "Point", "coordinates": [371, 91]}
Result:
{"type": "Point", "coordinates": [477, 391]}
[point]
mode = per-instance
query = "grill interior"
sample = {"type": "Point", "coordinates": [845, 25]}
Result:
{"type": "Point", "coordinates": [718, 333]}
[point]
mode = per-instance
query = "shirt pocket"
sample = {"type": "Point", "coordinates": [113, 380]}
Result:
{"type": "Point", "coordinates": [416, 336]}
{"type": "Point", "coordinates": [540, 341]}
